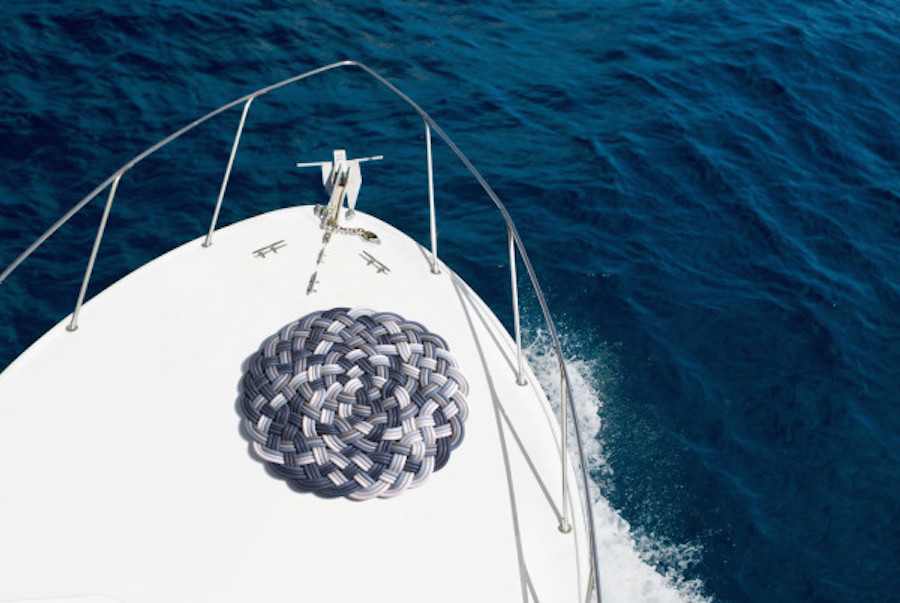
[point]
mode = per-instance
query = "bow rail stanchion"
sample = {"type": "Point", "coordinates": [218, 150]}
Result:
{"type": "Point", "coordinates": [73, 325]}
{"type": "Point", "coordinates": [432, 221]}
{"type": "Point", "coordinates": [520, 373]}
{"type": "Point", "coordinates": [564, 525]}
{"type": "Point", "coordinates": [234, 148]}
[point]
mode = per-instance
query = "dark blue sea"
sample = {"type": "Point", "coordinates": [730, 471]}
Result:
{"type": "Point", "coordinates": [708, 191]}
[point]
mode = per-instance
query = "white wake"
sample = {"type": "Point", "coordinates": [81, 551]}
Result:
{"type": "Point", "coordinates": [628, 560]}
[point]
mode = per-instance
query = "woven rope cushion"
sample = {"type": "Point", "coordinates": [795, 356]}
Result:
{"type": "Point", "coordinates": [355, 403]}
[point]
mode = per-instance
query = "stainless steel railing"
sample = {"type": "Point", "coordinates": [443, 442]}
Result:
{"type": "Point", "coordinates": [515, 243]}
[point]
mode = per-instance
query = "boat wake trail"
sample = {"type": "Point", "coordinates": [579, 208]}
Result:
{"type": "Point", "coordinates": [634, 566]}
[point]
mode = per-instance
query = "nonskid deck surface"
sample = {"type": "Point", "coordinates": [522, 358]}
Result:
{"type": "Point", "coordinates": [125, 473]}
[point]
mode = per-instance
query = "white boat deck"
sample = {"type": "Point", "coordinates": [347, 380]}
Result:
{"type": "Point", "coordinates": [124, 473]}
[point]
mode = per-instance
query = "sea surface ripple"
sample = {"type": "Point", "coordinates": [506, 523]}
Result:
{"type": "Point", "coordinates": [709, 192]}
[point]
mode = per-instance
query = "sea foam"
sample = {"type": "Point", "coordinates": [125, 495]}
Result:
{"type": "Point", "coordinates": [634, 566]}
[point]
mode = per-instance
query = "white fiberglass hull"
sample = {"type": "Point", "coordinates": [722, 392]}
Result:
{"type": "Point", "coordinates": [125, 474]}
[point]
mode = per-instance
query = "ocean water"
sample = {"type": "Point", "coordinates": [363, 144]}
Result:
{"type": "Point", "coordinates": [709, 192]}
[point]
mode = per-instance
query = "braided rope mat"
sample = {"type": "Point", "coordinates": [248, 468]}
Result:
{"type": "Point", "coordinates": [355, 403]}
